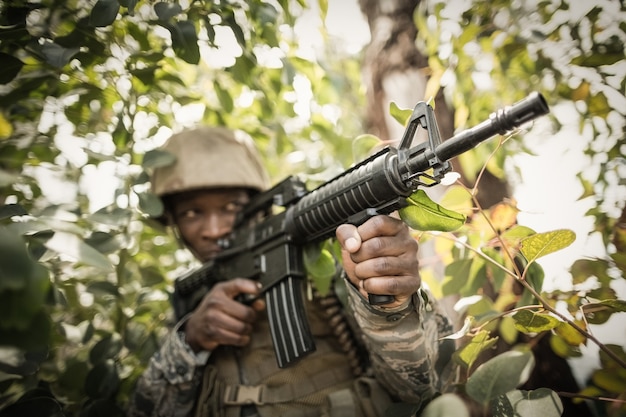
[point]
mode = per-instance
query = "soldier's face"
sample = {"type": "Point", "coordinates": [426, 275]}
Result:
{"type": "Point", "coordinates": [204, 217]}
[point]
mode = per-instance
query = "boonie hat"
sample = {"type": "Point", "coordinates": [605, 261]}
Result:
{"type": "Point", "coordinates": [210, 157]}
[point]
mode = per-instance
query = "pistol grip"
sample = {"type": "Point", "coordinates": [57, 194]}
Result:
{"type": "Point", "coordinates": [380, 299]}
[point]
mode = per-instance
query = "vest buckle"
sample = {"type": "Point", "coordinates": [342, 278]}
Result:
{"type": "Point", "coordinates": [243, 394]}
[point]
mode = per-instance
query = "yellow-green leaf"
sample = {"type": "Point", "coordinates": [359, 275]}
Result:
{"type": "Point", "coordinates": [321, 267]}
{"type": "Point", "coordinates": [457, 198]}
{"type": "Point", "coordinates": [542, 244]}
{"type": "Point", "coordinates": [530, 322]}
{"type": "Point", "coordinates": [471, 351]}
{"type": "Point", "coordinates": [570, 334]}
{"type": "Point", "coordinates": [422, 213]}
{"type": "Point", "coordinates": [6, 128]}
{"type": "Point", "coordinates": [401, 115]}
{"type": "Point", "coordinates": [362, 145]}
{"type": "Point", "coordinates": [609, 380]}
{"type": "Point", "coordinates": [508, 330]}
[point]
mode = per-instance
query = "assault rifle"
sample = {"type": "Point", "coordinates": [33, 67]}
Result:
{"type": "Point", "coordinates": [269, 247]}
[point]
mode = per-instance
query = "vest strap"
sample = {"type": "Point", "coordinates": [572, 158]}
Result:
{"type": "Point", "coordinates": [342, 403]}
{"type": "Point", "coordinates": [243, 394]}
{"type": "Point", "coordinates": [263, 394]}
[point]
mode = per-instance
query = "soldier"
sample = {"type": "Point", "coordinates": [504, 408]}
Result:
{"type": "Point", "coordinates": [219, 359]}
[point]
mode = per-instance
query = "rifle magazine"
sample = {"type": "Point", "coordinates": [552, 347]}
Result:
{"type": "Point", "coordinates": [291, 335]}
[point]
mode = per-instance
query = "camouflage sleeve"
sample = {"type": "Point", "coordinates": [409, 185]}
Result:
{"type": "Point", "coordinates": [169, 385]}
{"type": "Point", "coordinates": [408, 356]}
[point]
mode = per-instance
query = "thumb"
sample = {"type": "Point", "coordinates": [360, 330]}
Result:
{"type": "Point", "coordinates": [348, 237]}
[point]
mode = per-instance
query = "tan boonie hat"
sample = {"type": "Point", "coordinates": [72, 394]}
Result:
{"type": "Point", "coordinates": [210, 157]}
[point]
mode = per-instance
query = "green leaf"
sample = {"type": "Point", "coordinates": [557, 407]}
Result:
{"type": "Point", "coordinates": [457, 276]}
{"type": "Point", "coordinates": [562, 348]}
{"type": "Point", "coordinates": [320, 265]}
{"type": "Point", "coordinates": [607, 361]}
{"type": "Point", "coordinates": [530, 322]}
{"type": "Point", "coordinates": [56, 55]}
{"type": "Point", "coordinates": [609, 380]}
{"type": "Point", "coordinates": [146, 75]}
{"type": "Point", "coordinates": [468, 354]}
{"type": "Point", "coordinates": [515, 234]}
{"type": "Point", "coordinates": [617, 305]}
{"type": "Point", "coordinates": [157, 158]}
{"type": "Point", "coordinates": [362, 145]}
{"type": "Point", "coordinates": [541, 402]}
{"type": "Point", "coordinates": [226, 100]}
{"type": "Point", "coordinates": [598, 313]}
{"type": "Point", "coordinates": [534, 277]}
{"type": "Point", "coordinates": [185, 41]}
{"type": "Point", "coordinates": [569, 334]}
{"type": "Point", "coordinates": [500, 375]}
{"type": "Point", "coordinates": [10, 210]}
{"type": "Point", "coordinates": [7, 178]}
{"type": "Point", "coordinates": [130, 5]}
{"type": "Point", "coordinates": [17, 270]}
{"type": "Point", "coordinates": [103, 288]}
{"type": "Point", "coordinates": [166, 10]}
{"type": "Point", "coordinates": [73, 379]}
{"type": "Point", "coordinates": [105, 242]}
{"type": "Point", "coordinates": [72, 246]}
{"type": "Point", "coordinates": [19, 306]}
{"type": "Point", "coordinates": [103, 380]}
{"type": "Point", "coordinates": [457, 198]}
{"type": "Point", "coordinates": [112, 216]}
{"type": "Point", "coordinates": [424, 214]}
{"type": "Point", "coordinates": [106, 348]}
{"type": "Point", "coordinates": [11, 66]}
{"type": "Point", "coordinates": [151, 276]}
{"type": "Point", "coordinates": [400, 115]}
{"type": "Point", "coordinates": [34, 336]}
{"type": "Point", "coordinates": [150, 204]}
{"type": "Point", "coordinates": [34, 405]}
{"type": "Point", "coordinates": [104, 13]}
{"type": "Point", "coordinates": [507, 330]}
{"type": "Point", "coordinates": [541, 244]}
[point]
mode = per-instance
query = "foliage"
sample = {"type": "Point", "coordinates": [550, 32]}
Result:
{"type": "Point", "coordinates": [573, 54]}
{"type": "Point", "coordinates": [91, 88]}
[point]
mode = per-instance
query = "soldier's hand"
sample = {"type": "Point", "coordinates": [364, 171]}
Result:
{"type": "Point", "coordinates": [220, 319]}
{"type": "Point", "coordinates": [380, 257]}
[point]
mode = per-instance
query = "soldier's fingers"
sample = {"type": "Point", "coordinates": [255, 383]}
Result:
{"type": "Point", "coordinates": [348, 237]}
{"type": "Point", "coordinates": [381, 225]}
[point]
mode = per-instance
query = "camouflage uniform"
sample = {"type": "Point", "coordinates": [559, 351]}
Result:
{"type": "Point", "coordinates": [406, 355]}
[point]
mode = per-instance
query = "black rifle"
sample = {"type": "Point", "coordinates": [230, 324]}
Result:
{"type": "Point", "coordinates": [270, 249]}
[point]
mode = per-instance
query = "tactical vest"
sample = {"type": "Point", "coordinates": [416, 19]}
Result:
{"type": "Point", "coordinates": [321, 384]}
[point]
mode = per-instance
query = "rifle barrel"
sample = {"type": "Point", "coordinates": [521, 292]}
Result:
{"type": "Point", "coordinates": [500, 122]}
